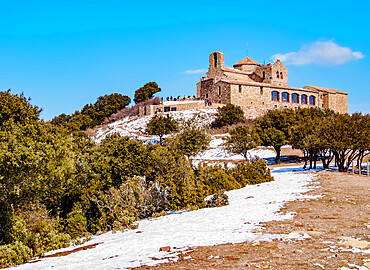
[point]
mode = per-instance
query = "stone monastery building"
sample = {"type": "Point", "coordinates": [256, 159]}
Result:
{"type": "Point", "coordinates": [254, 87]}
{"type": "Point", "coordinates": [258, 88]}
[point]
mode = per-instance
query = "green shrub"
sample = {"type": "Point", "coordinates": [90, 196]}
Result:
{"type": "Point", "coordinates": [14, 253]}
{"type": "Point", "coordinates": [76, 224]}
{"type": "Point", "coordinates": [36, 230]}
{"type": "Point", "coordinates": [133, 200]}
{"type": "Point", "coordinates": [180, 188]}
{"type": "Point", "coordinates": [252, 172]}
{"type": "Point", "coordinates": [218, 199]}
{"type": "Point", "coordinates": [216, 178]}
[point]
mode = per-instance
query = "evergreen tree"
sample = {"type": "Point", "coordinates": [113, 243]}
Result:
{"type": "Point", "coordinates": [241, 140]}
{"type": "Point", "coordinates": [348, 138]}
{"type": "Point", "coordinates": [146, 92]}
{"type": "Point", "coordinates": [191, 139]}
{"type": "Point", "coordinates": [119, 158]}
{"type": "Point", "coordinates": [16, 109]}
{"type": "Point", "coordinates": [307, 135]}
{"type": "Point", "coordinates": [92, 115]}
{"type": "Point", "coordinates": [160, 126]}
{"type": "Point", "coordinates": [228, 115]}
{"type": "Point", "coordinates": [273, 129]}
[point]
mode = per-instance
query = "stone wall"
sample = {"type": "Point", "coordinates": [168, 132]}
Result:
{"type": "Point", "coordinates": [216, 64]}
{"type": "Point", "coordinates": [215, 90]}
{"type": "Point", "coordinates": [270, 74]}
{"type": "Point", "coordinates": [181, 105]}
{"type": "Point", "coordinates": [246, 68]}
{"type": "Point", "coordinates": [257, 100]}
{"type": "Point", "coordinates": [332, 99]}
{"type": "Point", "coordinates": [338, 102]}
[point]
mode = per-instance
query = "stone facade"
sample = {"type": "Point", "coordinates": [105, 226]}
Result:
{"type": "Point", "coordinates": [258, 88]}
{"type": "Point", "coordinates": [178, 105]}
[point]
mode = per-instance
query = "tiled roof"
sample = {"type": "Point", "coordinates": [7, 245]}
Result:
{"type": "Point", "coordinates": [235, 71]}
{"type": "Point", "coordinates": [247, 61]}
{"type": "Point", "coordinates": [325, 89]}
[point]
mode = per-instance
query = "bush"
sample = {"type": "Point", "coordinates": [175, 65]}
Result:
{"type": "Point", "coordinates": [13, 254]}
{"type": "Point", "coordinates": [218, 199]}
{"type": "Point", "coordinates": [176, 178]}
{"type": "Point", "coordinates": [36, 230]}
{"type": "Point", "coordinates": [76, 224]}
{"type": "Point", "coordinates": [252, 172]}
{"type": "Point", "coordinates": [134, 199]}
{"type": "Point", "coordinates": [216, 178]}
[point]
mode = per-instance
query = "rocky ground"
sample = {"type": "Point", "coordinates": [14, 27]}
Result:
{"type": "Point", "coordinates": [338, 224]}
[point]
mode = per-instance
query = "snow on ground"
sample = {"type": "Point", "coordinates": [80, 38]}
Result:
{"type": "Point", "coordinates": [234, 223]}
{"type": "Point", "coordinates": [218, 153]}
{"type": "Point", "coordinates": [134, 126]}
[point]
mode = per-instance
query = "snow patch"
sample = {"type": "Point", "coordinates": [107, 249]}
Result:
{"type": "Point", "coordinates": [134, 126]}
{"type": "Point", "coordinates": [234, 223]}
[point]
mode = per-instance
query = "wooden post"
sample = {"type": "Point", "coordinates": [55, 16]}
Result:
{"type": "Point", "coordinates": [368, 168]}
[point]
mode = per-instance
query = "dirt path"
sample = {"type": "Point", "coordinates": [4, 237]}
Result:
{"type": "Point", "coordinates": [339, 220]}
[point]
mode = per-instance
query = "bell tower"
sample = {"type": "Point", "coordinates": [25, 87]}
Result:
{"type": "Point", "coordinates": [216, 64]}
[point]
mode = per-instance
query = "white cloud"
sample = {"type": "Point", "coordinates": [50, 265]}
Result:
{"type": "Point", "coordinates": [195, 71]}
{"type": "Point", "coordinates": [326, 53]}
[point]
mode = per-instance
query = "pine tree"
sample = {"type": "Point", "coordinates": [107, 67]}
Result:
{"type": "Point", "coordinates": [146, 92]}
{"type": "Point", "coordinates": [241, 140]}
{"type": "Point", "coordinates": [160, 126]}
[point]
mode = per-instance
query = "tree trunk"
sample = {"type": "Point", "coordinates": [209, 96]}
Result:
{"type": "Point", "coordinates": [278, 151]}
{"type": "Point", "coordinates": [305, 156]}
{"type": "Point", "coordinates": [314, 160]}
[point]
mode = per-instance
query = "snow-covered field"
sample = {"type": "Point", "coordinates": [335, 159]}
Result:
{"type": "Point", "coordinates": [233, 223]}
{"type": "Point", "coordinates": [135, 126]}
{"type": "Point", "coordinates": [216, 152]}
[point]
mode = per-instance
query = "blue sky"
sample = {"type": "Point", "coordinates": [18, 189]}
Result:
{"type": "Point", "coordinates": [64, 54]}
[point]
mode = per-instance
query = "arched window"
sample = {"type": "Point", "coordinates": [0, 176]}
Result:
{"type": "Point", "coordinates": [240, 88]}
{"type": "Point", "coordinates": [277, 74]}
{"type": "Point", "coordinates": [312, 100]}
{"type": "Point", "coordinates": [275, 95]}
{"type": "Point", "coordinates": [263, 75]}
{"type": "Point", "coordinates": [295, 98]}
{"type": "Point", "coordinates": [219, 90]}
{"type": "Point", "coordinates": [281, 75]}
{"type": "Point", "coordinates": [304, 99]}
{"type": "Point", "coordinates": [285, 97]}
{"type": "Point", "coordinates": [215, 59]}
